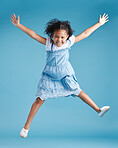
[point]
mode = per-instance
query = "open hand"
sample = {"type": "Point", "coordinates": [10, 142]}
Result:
{"type": "Point", "coordinates": [103, 19]}
{"type": "Point", "coordinates": [14, 20]}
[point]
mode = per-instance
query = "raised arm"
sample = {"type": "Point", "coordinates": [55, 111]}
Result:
{"type": "Point", "coordinates": [28, 31]}
{"type": "Point", "coordinates": [87, 32]}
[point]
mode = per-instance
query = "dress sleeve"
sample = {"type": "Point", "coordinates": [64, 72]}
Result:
{"type": "Point", "coordinates": [71, 41]}
{"type": "Point", "coordinates": [48, 44]}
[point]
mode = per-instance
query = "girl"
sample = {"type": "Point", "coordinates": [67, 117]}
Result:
{"type": "Point", "coordinates": [58, 77]}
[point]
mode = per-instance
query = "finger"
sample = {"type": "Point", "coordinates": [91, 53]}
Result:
{"type": "Point", "coordinates": [18, 17]}
{"type": "Point", "coordinates": [106, 21]}
{"type": "Point", "coordinates": [106, 18]}
{"type": "Point", "coordinates": [104, 14]}
{"type": "Point", "coordinates": [11, 21]}
{"type": "Point", "coordinates": [99, 17]}
{"type": "Point", "coordinates": [14, 16]}
{"type": "Point", "coordinates": [11, 17]}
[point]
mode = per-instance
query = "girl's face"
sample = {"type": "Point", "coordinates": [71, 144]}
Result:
{"type": "Point", "coordinates": [59, 37]}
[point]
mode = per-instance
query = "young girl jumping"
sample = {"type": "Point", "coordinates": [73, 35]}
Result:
{"type": "Point", "coordinates": [58, 77]}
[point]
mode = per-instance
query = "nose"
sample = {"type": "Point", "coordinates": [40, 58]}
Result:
{"type": "Point", "coordinates": [59, 39]}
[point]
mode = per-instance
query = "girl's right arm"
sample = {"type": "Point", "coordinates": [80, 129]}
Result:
{"type": "Point", "coordinates": [28, 31]}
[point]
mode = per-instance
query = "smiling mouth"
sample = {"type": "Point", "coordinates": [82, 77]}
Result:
{"type": "Point", "coordinates": [59, 43]}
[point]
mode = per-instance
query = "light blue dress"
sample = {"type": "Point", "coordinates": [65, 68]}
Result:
{"type": "Point", "coordinates": [58, 77]}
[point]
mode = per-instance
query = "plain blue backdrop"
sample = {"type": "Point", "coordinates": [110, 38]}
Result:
{"type": "Point", "coordinates": [94, 59]}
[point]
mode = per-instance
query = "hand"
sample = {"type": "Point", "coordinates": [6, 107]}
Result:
{"type": "Point", "coordinates": [14, 20]}
{"type": "Point", "coordinates": [103, 19]}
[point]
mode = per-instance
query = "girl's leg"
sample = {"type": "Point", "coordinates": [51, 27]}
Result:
{"type": "Point", "coordinates": [83, 96]}
{"type": "Point", "coordinates": [38, 102]}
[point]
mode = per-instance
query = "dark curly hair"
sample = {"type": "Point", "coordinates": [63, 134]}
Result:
{"type": "Point", "coordinates": [56, 24]}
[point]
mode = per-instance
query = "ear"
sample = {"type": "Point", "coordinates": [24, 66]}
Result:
{"type": "Point", "coordinates": [67, 36]}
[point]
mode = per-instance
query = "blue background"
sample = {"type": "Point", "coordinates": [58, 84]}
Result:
{"type": "Point", "coordinates": [94, 59]}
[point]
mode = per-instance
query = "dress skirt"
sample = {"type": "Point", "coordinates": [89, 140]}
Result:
{"type": "Point", "coordinates": [51, 88]}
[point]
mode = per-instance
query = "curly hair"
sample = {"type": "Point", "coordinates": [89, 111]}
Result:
{"type": "Point", "coordinates": [56, 24]}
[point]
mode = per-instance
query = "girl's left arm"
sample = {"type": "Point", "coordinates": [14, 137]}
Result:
{"type": "Point", "coordinates": [87, 32]}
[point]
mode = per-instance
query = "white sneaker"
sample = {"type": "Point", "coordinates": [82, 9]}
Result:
{"type": "Point", "coordinates": [24, 133]}
{"type": "Point", "coordinates": [104, 109]}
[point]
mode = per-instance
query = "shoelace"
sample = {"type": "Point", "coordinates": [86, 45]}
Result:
{"type": "Point", "coordinates": [25, 131]}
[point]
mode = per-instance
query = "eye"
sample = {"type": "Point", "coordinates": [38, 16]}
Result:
{"type": "Point", "coordinates": [56, 36]}
{"type": "Point", "coordinates": [62, 37]}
